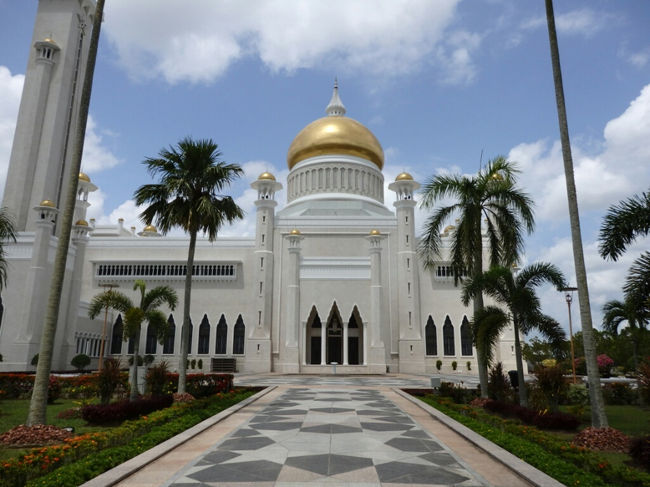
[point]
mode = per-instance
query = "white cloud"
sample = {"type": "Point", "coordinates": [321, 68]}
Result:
{"type": "Point", "coordinates": [96, 156]}
{"type": "Point", "coordinates": [456, 54]}
{"type": "Point", "coordinates": [585, 22]}
{"type": "Point", "coordinates": [197, 41]}
{"type": "Point", "coordinates": [11, 87]}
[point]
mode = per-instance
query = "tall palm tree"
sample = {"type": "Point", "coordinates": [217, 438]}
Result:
{"type": "Point", "coordinates": [7, 232]}
{"type": "Point", "coordinates": [517, 294]}
{"type": "Point", "coordinates": [622, 224]}
{"type": "Point", "coordinates": [38, 402]}
{"type": "Point", "coordinates": [192, 177]}
{"type": "Point", "coordinates": [146, 312]}
{"type": "Point", "coordinates": [630, 311]}
{"type": "Point", "coordinates": [491, 195]}
{"type": "Point", "coordinates": [598, 416]}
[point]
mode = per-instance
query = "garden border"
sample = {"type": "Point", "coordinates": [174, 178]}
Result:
{"type": "Point", "coordinates": [512, 462]}
{"type": "Point", "coordinates": [124, 470]}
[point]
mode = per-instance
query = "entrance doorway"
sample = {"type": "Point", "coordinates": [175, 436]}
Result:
{"type": "Point", "coordinates": [334, 337]}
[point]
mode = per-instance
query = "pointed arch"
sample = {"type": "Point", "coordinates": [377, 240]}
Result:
{"type": "Point", "coordinates": [204, 336]}
{"type": "Point", "coordinates": [448, 337]}
{"type": "Point", "coordinates": [168, 345]}
{"type": "Point", "coordinates": [238, 337]}
{"type": "Point", "coordinates": [334, 317]}
{"type": "Point", "coordinates": [151, 341]}
{"type": "Point", "coordinates": [117, 336]}
{"type": "Point", "coordinates": [334, 336]}
{"type": "Point", "coordinates": [431, 338]}
{"type": "Point", "coordinates": [314, 334]}
{"type": "Point", "coordinates": [465, 337]}
{"type": "Point", "coordinates": [222, 336]}
{"type": "Point", "coordinates": [314, 320]}
{"type": "Point", "coordinates": [189, 344]}
{"type": "Point", "coordinates": [355, 338]}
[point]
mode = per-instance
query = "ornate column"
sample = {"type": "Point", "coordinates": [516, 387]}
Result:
{"type": "Point", "coordinates": [376, 351]}
{"type": "Point", "coordinates": [345, 343]}
{"type": "Point", "coordinates": [323, 343]}
{"type": "Point", "coordinates": [291, 355]}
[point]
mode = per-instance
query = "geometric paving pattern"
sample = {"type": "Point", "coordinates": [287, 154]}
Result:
{"type": "Point", "coordinates": [330, 437]}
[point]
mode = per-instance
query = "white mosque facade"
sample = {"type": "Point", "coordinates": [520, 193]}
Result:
{"type": "Point", "coordinates": [332, 277]}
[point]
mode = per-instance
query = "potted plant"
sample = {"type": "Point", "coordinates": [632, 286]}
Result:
{"type": "Point", "coordinates": [454, 365]}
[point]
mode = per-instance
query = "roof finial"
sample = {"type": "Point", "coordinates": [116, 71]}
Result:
{"type": "Point", "coordinates": [335, 107]}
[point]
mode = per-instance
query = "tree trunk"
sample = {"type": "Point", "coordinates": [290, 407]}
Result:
{"type": "Point", "coordinates": [523, 397]}
{"type": "Point", "coordinates": [481, 359]}
{"type": "Point", "coordinates": [185, 331]}
{"type": "Point", "coordinates": [598, 416]}
{"type": "Point", "coordinates": [38, 403]}
{"type": "Point", "coordinates": [134, 368]}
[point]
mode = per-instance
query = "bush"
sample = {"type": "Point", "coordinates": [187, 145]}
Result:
{"type": "Point", "coordinates": [640, 451]}
{"type": "Point", "coordinates": [498, 384]}
{"type": "Point", "coordinates": [604, 364]}
{"type": "Point", "coordinates": [156, 379]}
{"type": "Point", "coordinates": [119, 411]}
{"type": "Point", "coordinates": [469, 365]}
{"type": "Point", "coordinates": [193, 363]}
{"type": "Point", "coordinates": [454, 365]}
{"type": "Point", "coordinates": [577, 395]}
{"type": "Point", "coordinates": [644, 381]}
{"type": "Point", "coordinates": [80, 361]}
{"type": "Point", "coordinates": [199, 364]}
{"type": "Point", "coordinates": [540, 419]}
{"type": "Point", "coordinates": [109, 379]}
{"type": "Point", "coordinates": [35, 360]}
{"type": "Point", "coordinates": [438, 365]}
{"type": "Point", "coordinates": [148, 359]}
{"type": "Point", "coordinates": [140, 361]}
{"type": "Point", "coordinates": [551, 382]}
{"type": "Point", "coordinates": [619, 393]}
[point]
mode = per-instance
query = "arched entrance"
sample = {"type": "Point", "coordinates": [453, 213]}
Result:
{"type": "Point", "coordinates": [355, 338]}
{"type": "Point", "coordinates": [314, 332]}
{"type": "Point", "coordinates": [334, 349]}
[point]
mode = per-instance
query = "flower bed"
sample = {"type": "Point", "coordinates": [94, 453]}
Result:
{"type": "Point", "coordinates": [83, 457]}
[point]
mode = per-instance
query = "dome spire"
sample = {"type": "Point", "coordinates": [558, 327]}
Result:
{"type": "Point", "coordinates": [335, 107]}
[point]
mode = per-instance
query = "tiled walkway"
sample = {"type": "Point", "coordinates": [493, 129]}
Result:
{"type": "Point", "coordinates": [329, 436]}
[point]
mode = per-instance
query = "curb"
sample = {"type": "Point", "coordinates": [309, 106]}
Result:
{"type": "Point", "coordinates": [515, 464]}
{"type": "Point", "coordinates": [124, 470]}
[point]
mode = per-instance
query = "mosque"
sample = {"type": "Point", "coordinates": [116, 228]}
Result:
{"type": "Point", "coordinates": [332, 277]}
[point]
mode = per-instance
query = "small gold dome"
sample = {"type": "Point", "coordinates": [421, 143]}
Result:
{"type": "Point", "coordinates": [82, 223]}
{"type": "Point", "coordinates": [266, 176]}
{"type": "Point", "coordinates": [84, 177]}
{"type": "Point", "coordinates": [335, 135]}
{"type": "Point", "coordinates": [295, 231]}
{"type": "Point", "coordinates": [448, 228]}
{"type": "Point", "coordinates": [374, 231]}
{"type": "Point", "coordinates": [48, 203]}
{"type": "Point", "coordinates": [404, 177]}
{"type": "Point", "coordinates": [149, 228]}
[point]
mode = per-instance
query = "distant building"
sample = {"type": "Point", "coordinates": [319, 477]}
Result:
{"type": "Point", "coordinates": [332, 277]}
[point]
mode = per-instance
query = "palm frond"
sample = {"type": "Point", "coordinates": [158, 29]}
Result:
{"type": "Point", "coordinates": [487, 326]}
{"type": "Point", "coordinates": [111, 299]}
{"type": "Point", "coordinates": [622, 224]}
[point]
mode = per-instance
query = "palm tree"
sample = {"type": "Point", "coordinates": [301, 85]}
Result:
{"type": "Point", "coordinates": [598, 416]}
{"type": "Point", "coordinates": [188, 196]}
{"type": "Point", "coordinates": [491, 195]}
{"type": "Point", "coordinates": [38, 402]}
{"type": "Point", "coordinates": [517, 294]}
{"type": "Point", "coordinates": [622, 224]}
{"type": "Point", "coordinates": [629, 311]}
{"type": "Point", "coordinates": [7, 232]}
{"type": "Point", "coordinates": [147, 311]}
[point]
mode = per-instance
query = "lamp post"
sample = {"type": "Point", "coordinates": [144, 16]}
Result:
{"type": "Point", "coordinates": [569, 298]}
{"type": "Point", "coordinates": [108, 288]}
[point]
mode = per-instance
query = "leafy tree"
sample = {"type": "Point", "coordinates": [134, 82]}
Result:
{"type": "Point", "coordinates": [80, 361]}
{"type": "Point", "coordinates": [38, 402]}
{"type": "Point", "coordinates": [491, 195]}
{"type": "Point", "coordinates": [598, 416]}
{"type": "Point", "coordinates": [622, 224]}
{"type": "Point", "coordinates": [7, 233]}
{"type": "Point", "coordinates": [630, 311]}
{"type": "Point", "coordinates": [537, 350]}
{"type": "Point", "coordinates": [146, 312]}
{"type": "Point", "coordinates": [188, 196]}
{"type": "Point", "coordinates": [517, 294]}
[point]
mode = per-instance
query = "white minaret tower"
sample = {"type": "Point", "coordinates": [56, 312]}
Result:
{"type": "Point", "coordinates": [49, 108]}
{"type": "Point", "coordinates": [411, 347]}
{"type": "Point", "coordinates": [258, 353]}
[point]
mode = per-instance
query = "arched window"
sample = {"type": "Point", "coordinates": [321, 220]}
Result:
{"type": "Point", "coordinates": [448, 337]}
{"type": "Point", "coordinates": [168, 346]}
{"type": "Point", "coordinates": [465, 337]}
{"type": "Point", "coordinates": [222, 336]}
{"type": "Point", "coordinates": [131, 348]}
{"type": "Point", "coordinates": [189, 342]}
{"type": "Point", "coordinates": [238, 337]}
{"type": "Point", "coordinates": [152, 340]}
{"type": "Point", "coordinates": [430, 337]}
{"type": "Point", "coordinates": [204, 335]}
{"type": "Point", "coordinates": [117, 336]}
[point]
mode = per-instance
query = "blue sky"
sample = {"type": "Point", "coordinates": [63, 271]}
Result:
{"type": "Point", "coordinates": [438, 83]}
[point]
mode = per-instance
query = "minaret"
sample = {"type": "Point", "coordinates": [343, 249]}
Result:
{"type": "Point", "coordinates": [376, 360]}
{"type": "Point", "coordinates": [411, 347]}
{"type": "Point", "coordinates": [48, 108]}
{"type": "Point", "coordinates": [258, 350]}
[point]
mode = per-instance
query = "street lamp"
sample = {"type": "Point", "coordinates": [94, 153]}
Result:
{"type": "Point", "coordinates": [569, 298]}
{"type": "Point", "coordinates": [108, 288]}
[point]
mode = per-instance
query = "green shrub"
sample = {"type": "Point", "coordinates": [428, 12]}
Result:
{"type": "Point", "coordinates": [454, 365]}
{"type": "Point", "coordinates": [640, 451]}
{"type": "Point", "coordinates": [35, 360]}
{"type": "Point", "coordinates": [577, 395]}
{"type": "Point", "coordinates": [551, 381]}
{"type": "Point", "coordinates": [148, 359]}
{"type": "Point", "coordinates": [438, 364]}
{"type": "Point", "coordinates": [156, 379]}
{"type": "Point", "coordinates": [469, 365]}
{"type": "Point", "coordinates": [80, 361]}
{"type": "Point", "coordinates": [108, 379]}
{"type": "Point", "coordinates": [193, 363]}
{"type": "Point", "coordinates": [619, 393]}
{"type": "Point", "coordinates": [499, 387]}
{"type": "Point", "coordinates": [199, 364]}
{"type": "Point", "coordinates": [140, 361]}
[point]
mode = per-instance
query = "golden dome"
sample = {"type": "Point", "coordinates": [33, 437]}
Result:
{"type": "Point", "coordinates": [82, 223]}
{"type": "Point", "coordinates": [84, 177]}
{"type": "Point", "coordinates": [149, 228]}
{"type": "Point", "coordinates": [335, 135]}
{"type": "Point", "coordinates": [374, 231]}
{"type": "Point", "coordinates": [266, 176]}
{"type": "Point", "coordinates": [48, 203]}
{"type": "Point", "coordinates": [404, 177]}
{"type": "Point", "coordinates": [448, 228]}
{"type": "Point", "coordinates": [295, 231]}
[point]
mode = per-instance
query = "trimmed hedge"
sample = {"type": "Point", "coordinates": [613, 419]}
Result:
{"type": "Point", "coordinates": [100, 414]}
{"type": "Point", "coordinates": [542, 419]}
